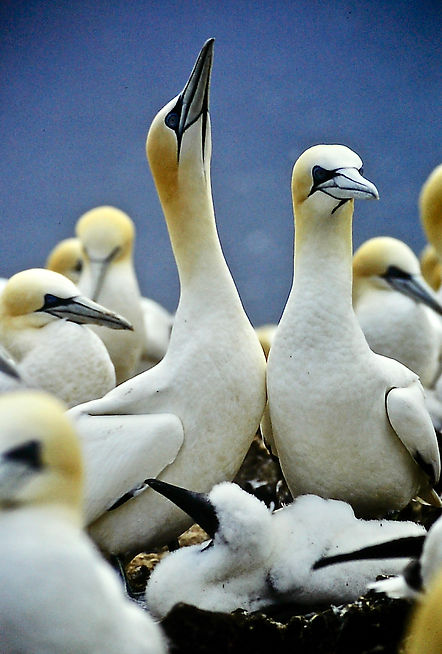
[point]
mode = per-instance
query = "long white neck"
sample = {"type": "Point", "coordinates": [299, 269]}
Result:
{"type": "Point", "coordinates": [191, 224]}
{"type": "Point", "coordinates": [322, 288]}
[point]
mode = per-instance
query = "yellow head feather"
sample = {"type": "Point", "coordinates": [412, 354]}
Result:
{"type": "Point", "coordinates": [66, 258]}
{"type": "Point", "coordinates": [430, 204]}
{"type": "Point", "coordinates": [104, 231]}
{"type": "Point", "coordinates": [55, 473]}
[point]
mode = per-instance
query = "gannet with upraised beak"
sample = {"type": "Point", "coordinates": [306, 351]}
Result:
{"type": "Point", "coordinates": [108, 276]}
{"type": "Point", "coordinates": [396, 309]}
{"type": "Point", "coordinates": [66, 258]}
{"type": "Point", "coordinates": [56, 592]}
{"type": "Point", "coordinates": [190, 419]}
{"type": "Point", "coordinates": [257, 559]}
{"type": "Point", "coordinates": [43, 320]}
{"type": "Point", "coordinates": [347, 423]}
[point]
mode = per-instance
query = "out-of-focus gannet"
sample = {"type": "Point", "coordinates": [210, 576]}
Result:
{"type": "Point", "coordinates": [424, 632]}
{"type": "Point", "coordinates": [56, 592]}
{"type": "Point", "coordinates": [66, 258]}
{"type": "Point", "coordinates": [395, 307]}
{"type": "Point", "coordinates": [108, 276]}
{"type": "Point", "coordinates": [256, 559]}
{"type": "Point", "coordinates": [430, 207]}
{"type": "Point", "coordinates": [41, 326]}
{"type": "Point", "coordinates": [196, 412]}
{"type": "Point", "coordinates": [431, 267]}
{"type": "Point", "coordinates": [347, 423]}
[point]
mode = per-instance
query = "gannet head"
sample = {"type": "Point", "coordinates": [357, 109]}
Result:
{"type": "Point", "coordinates": [385, 263]}
{"type": "Point", "coordinates": [40, 457]}
{"type": "Point", "coordinates": [326, 177]}
{"type": "Point", "coordinates": [106, 235]}
{"type": "Point", "coordinates": [431, 267]}
{"type": "Point", "coordinates": [235, 520]}
{"type": "Point", "coordinates": [35, 297]}
{"type": "Point", "coordinates": [430, 205]}
{"type": "Point", "coordinates": [179, 139]}
{"type": "Point", "coordinates": [66, 258]}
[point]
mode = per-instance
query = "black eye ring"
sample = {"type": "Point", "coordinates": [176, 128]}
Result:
{"type": "Point", "coordinates": [51, 300]}
{"type": "Point", "coordinates": [172, 120]}
{"type": "Point", "coordinates": [320, 174]}
{"type": "Point", "coordinates": [361, 170]}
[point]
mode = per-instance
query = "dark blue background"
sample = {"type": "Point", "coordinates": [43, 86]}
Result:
{"type": "Point", "coordinates": [81, 82]}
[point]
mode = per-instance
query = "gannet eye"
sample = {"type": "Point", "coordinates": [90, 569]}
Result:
{"type": "Point", "coordinates": [172, 120]}
{"type": "Point", "coordinates": [320, 174]}
{"type": "Point", "coordinates": [361, 170]}
{"type": "Point", "coordinates": [51, 300]}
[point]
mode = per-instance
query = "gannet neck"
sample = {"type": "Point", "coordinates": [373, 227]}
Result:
{"type": "Point", "coordinates": [193, 235]}
{"type": "Point", "coordinates": [323, 258]}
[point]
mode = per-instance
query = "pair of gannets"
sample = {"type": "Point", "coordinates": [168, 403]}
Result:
{"type": "Point", "coordinates": [396, 309]}
{"type": "Point", "coordinates": [257, 559]}
{"type": "Point", "coordinates": [56, 592]}
{"type": "Point", "coordinates": [100, 261]}
{"type": "Point", "coordinates": [345, 422]}
{"type": "Point", "coordinates": [190, 419]}
{"type": "Point", "coordinates": [42, 326]}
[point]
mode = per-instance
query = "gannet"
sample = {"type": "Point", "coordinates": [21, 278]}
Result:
{"type": "Point", "coordinates": [424, 631]}
{"type": "Point", "coordinates": [108, 276]}
{"type": "Point", "coordinates": [66, 258]}
{"type": "Point", "coordinates": [347, 423]}
{"type": "Point", "coordinates": [431, 267]}
{"type": "Point", "coordinates": [265, 334]}
{"type": "Point", "coordinates": [191, 418]}
{"type": "Point", "coordinates": [257, 558]}
{"type": "Point", "coordinates": [41, 316]}
{"type": "Point", "coordinates": [56, 592]}
{"type": "Point", "coordinates": [430, 209]}
{"type": "Point", "coordinates": [396, 309]}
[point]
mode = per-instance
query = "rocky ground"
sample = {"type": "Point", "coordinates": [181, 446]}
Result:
{"type": "Point", "coordinates": [373, 624]}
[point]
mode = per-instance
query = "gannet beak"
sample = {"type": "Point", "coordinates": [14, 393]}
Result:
{"type": "Point", "coordinates": [409, 547]}
{"type": "Point", "coordinates": [82, 310]}
{"type": "Point", "coordinates": [410, 286]}
{"type": "Point", "coordinates": [196, 505]}
{"type": "Point", "coordinates": [98, 268]}
{"type": "Point", "coordinates": [347, 183]}
{"type": "Point", "coordinates": [195, 95]}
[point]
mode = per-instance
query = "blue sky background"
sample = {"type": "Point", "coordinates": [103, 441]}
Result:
{"type": "Point", "coordinates": [82, 81]}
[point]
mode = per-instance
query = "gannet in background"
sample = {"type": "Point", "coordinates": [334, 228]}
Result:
{"type": "Point", "coordinates": [257, 558]}
{"type": "Point", "coordinates": [395, 307]}
{"type": "Point", "coordinates": [41, 326]}
{"type": "Point", "coordinates": [347, 423]}
{"type": "Point", "coordinates": [431, 267]}
{"type": "Point", "coordinates": [66, 258]}
{"type": "Point", "coordinates": [430, 208]}
{"type": "Point", "coordinates": [424, 631]}
{"type": "Point", "coordinates": [197, 411]}
{"type": "Point", "coordinates": [56, 592]}
{"type": "Point", "coordinates": [108, 276]}
{"type": "Point", "coordinates": [266, 334]}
